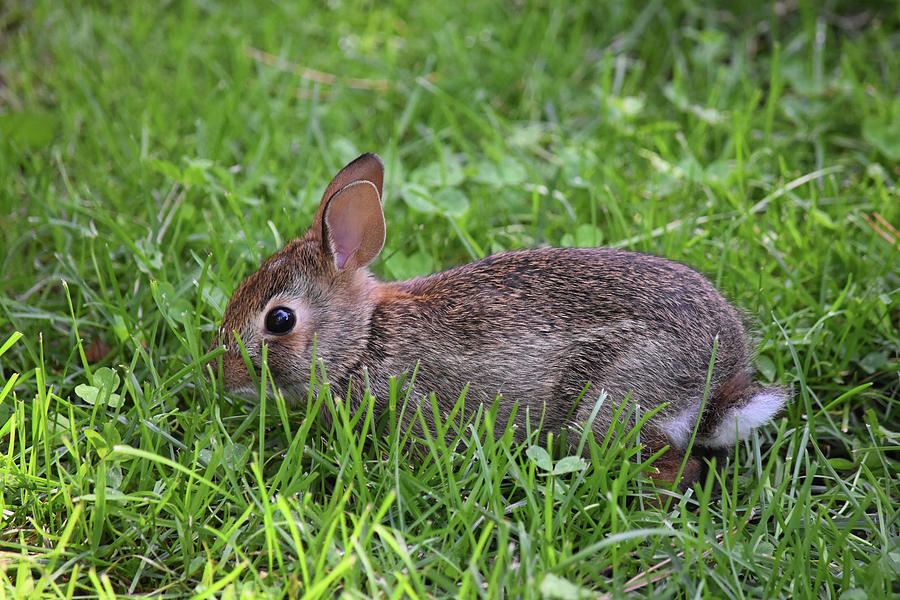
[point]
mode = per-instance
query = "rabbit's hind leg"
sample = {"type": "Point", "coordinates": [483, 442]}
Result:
{"type": "Point", "coordinates": [669, 464]}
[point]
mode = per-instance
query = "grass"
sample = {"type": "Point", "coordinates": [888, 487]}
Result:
{"type": "Point", "coordinates": [152, 153]}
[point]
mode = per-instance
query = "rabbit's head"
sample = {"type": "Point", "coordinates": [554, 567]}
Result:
{"type": "Point", "coordinates": [315, 293]}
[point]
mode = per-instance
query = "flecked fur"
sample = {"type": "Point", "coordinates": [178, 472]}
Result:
{"type": "Point", "coordinates": [534, 326]}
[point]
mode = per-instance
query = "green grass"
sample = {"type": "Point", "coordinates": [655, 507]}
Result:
{"type": "Point", "coordinates": [150, 155]}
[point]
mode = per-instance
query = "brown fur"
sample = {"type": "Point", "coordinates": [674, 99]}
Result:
{"type": "Point", "coordinates": [534, 326]}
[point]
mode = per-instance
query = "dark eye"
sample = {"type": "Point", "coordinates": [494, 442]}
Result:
{"type": "Point", "coordinates": [280, 320]}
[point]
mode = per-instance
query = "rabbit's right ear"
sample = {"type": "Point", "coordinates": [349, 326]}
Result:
{"type": "Point", "coordinates": [353, 225]}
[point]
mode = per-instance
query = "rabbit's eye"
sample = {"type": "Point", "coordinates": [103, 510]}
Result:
{"type": "Point", "coordinates": [280, 320]}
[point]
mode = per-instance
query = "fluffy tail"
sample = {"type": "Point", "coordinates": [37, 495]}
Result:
{"type": "Point", "coordinates": [736, 411]}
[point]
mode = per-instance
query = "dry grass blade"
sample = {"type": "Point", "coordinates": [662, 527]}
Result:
{"type": "Point", "coordinates": [891, 236]}
{"type": "Point", "coordinates": [378, 85]}
{"type": "Point", "coordinates": [649, 576]}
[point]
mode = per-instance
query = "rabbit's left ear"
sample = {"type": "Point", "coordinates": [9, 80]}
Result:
{"type": "Point", "coordinates": [367, 167]}
{"type": "Point", "coordinates": [353, 225]}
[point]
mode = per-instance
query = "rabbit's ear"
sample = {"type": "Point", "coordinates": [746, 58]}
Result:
{"type": "Point", "coordinates": [353, 225]}
{"type": "Point", "coordinates": [367, 167]}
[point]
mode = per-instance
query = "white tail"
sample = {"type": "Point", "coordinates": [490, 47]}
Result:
{"type": "Point", "coordinates": [740, 421]}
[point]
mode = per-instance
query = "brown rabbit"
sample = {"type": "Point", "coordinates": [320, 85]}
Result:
{"type": "Point", "coordinates": [533, 326]}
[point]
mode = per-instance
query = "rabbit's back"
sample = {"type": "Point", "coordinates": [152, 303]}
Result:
{"type": "Point", "coordinates": [537, 326]}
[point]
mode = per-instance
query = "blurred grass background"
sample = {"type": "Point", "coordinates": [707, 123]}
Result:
{"type": "Point", "coordinates": [152, 152]}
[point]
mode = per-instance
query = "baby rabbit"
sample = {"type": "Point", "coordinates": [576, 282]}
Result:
{"type": "Point", "coordinates": [533, 326]}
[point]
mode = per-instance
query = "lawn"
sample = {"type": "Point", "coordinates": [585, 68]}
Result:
{"type": "Point", "coordinates": [152, 153]}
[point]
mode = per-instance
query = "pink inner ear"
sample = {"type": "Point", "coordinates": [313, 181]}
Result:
{"type": "Point", "coordinates": [346, 242]}
{"type": "Point", "coordinates": [355, 225]}
{"type": "Point", "coordinates": [367, 167]}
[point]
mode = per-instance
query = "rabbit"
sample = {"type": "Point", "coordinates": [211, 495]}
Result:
{"type": "Point", "coordinates": [532, 327]}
